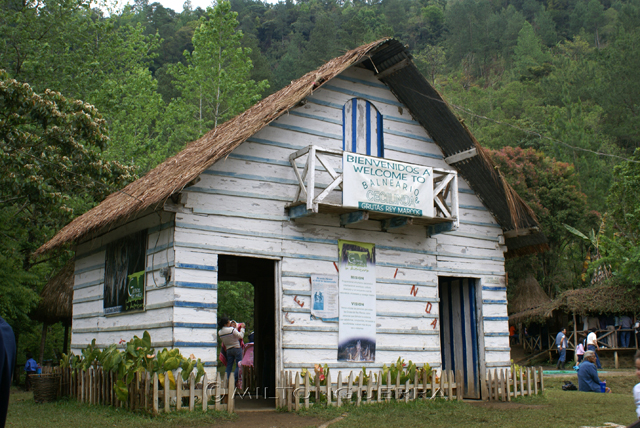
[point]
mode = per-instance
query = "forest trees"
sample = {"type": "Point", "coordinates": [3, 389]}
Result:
{"type": "Point", "coordinates": [215, 83]}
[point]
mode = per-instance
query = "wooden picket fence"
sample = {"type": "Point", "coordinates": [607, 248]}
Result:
{"type": "Point", "coordinates": [298, 392]}
{"type": "Point", "coordinates": [95, 386]}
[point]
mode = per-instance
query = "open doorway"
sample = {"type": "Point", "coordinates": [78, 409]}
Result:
{"type": "Point", "coordinates": [250, 277]}
{"type": "Point", "coordinates": [459, 331]}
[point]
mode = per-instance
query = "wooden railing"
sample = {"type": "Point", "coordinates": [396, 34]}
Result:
{"type": "Point", "coordinates": [445, 183]}
{"type": "Point", "coordinates": [299, 392]}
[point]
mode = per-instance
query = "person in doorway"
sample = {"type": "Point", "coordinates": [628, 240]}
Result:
{"type": "Point", "coordinates": [588, 380]}
{"type": "Point", "coordinates": [231, 334]}
{"type": "Point", "coordinates": [31, 367]}
{"type": "Point", "coordinates": [7, 363]}
{"type": "Point", "coordinates": [592, 345]}
{"type": "Point", "coordinates": [625, 331]}
{"type": "Point", "coordinates": [513, 336]}
{"type": "Point", "coordinates": [561, 344]}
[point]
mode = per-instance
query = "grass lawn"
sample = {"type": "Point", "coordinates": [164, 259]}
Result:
{"type": "Point", "coordinates": [556, 408]}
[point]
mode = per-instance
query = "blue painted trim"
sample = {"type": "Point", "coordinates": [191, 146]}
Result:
{"type": "Point", "coordinates": [315, 117]}
{"type": "Point", "coordinates": [195, 325]}
{"type": "Point", "coordinates": [160, 227]}
{"type": "Point", "coordinates": [361, 81]}
{"type": "Point", "coordinates": [368, 126]}
{"type": "Point", "coordinates": [474, 332]}
{"type": "Point", "coordinates": [183, 304]}
{"type": "Point", "coordinates": [266, 196]}
{"type": "Point", "coordinates": [463, 330]}
{"type": "Point", "coordinates": [89, 269]}
{"type": "Point", "coordinates": [468, 191]}
{"type": "Point", "coordinates": [160, 248]}
{"type": "Point", "coordinates": [414, 152]}
{"type": "Point", "coordinates": [299, 211]}
{"type": "Point", "coordinates": [488, 288]}
{"type": "Point", "coordinates": [197, 267]}
{"type": "Point", "coordinates": [408, 135]}
{"type": "Point", "coordinates": [494, 302]}
{"type": "Point", "coordinates": [479, 223]}
{"type": "Point", "coordinates": [496, 334]}
{"type": "Point", "coordinates": [380, 135]}
{"type": "Point", "coordinates": [195, 344]}
{"type": "Point", "coordinates": [304, 130]}
{"type": "Point", "coordinates": [275, 143]}
{"type": "Point", "coordinates": [473, 207]}
{"type": "Point", "coordinates": [260, 159]}
{"type": "Point", "coordinates": [198, 285]}
{"type": "Point", "coordinates": [354, 125]}
{"type": "Point", "coordinates": [89, 284]}
{"type": "Point", "coordinates": [496, 318]}
{"type": "Point", "coordinates": [339, 107]}
{"type": "Point", "coordinates": [363, 95]}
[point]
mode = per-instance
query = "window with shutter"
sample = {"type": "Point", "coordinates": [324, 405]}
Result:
{"type": "Point", "coordinates": [362, 128]}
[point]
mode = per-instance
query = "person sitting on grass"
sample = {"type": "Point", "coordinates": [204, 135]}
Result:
{"type": "Point", "coordinates": [588, 380]}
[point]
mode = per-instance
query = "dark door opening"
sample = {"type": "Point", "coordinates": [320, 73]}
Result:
{"type": "Point", "coordinates": [261, 274]}
{"type": "Point", "coordinates": [459, 332]}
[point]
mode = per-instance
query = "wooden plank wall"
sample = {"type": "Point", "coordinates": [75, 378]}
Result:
{"type": "Point", "coordinates": [89, 321]}
{"type": "Point", "coordinates": [238, 207]}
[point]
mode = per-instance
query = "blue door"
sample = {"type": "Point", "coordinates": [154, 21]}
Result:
{"type": "Point", "coordinates": [362, 128]}
{"type": "Point", "coordinates": [459, 332]}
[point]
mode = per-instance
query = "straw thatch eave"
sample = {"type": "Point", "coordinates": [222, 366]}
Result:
{"type": "Point", "coordinates": [528, 295]}
{"type": "Point", "coordinates": [56, 298]}
{"type": "Point", "coordinates": [404, 80]}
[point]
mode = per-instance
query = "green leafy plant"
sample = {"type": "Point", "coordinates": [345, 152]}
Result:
{"type": "Point", "coordinates": [407, 371]}
{"type": "Point", "coordinates": [137, 357]}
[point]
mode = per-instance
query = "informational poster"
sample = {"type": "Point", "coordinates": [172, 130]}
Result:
{"type": "Point", "coordinates": [324, 297]}
{"type": "Point", "coordinates": [357, 315]}
{"type": "Point", "coordinates": [135, 292]}
{"type": "Point", "coordinates": [387, 186]}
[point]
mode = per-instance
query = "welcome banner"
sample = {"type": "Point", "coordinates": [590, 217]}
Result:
{"type": "Point", "coordinates": [357, 302]}
{"type": "Point", "coordinates": [376, 184]}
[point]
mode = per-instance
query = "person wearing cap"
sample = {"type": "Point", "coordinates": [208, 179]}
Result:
{"type": "Point", "coordinates": [588, 380]}
{"type": "Point", "coordinates": [231, 333]}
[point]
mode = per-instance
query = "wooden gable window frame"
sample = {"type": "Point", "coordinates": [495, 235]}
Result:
{"type": "Point", "coordinates": [362, 130]}
{"type": "Point", "coordinates": [124, 274]}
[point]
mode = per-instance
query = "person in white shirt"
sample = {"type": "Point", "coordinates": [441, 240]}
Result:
{"type": "Point", "coordinates": [231, 333]}
{"type": "Point", "coordinates": [636, 389]}
{"type": "Point", "coordinates": [592, 345]}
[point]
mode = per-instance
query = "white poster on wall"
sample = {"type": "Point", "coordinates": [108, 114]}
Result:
{"type": "Point", "coordinates": [376, 184]}
{"type": "Point", "coordinates": [357, 318]}
{"type": "Point", "coordinates": [324, 297]}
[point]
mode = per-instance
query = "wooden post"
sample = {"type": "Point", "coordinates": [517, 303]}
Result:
{"type": "Point", "coordinates": [379, 385]}
{"type": "Point", "coordinates": [316, 381]}
{"type": "Point", "coordinates": [387, 397]}
{"type": "Point", "coordinates": [450, 384]}
{"type": "Point", "coordinates": [615, 358]}
{"type": "Point", "coordinates": [433, 384]}
{"type": "Point", "coordinates": [535, 381]}
{"type": "Point", "coordinates": [369, 387]}
{"type": "Point", "coordinates": [192, 392]}
{"type": "Point", "coordinates": [396, 394]}
{"type": "Point", "coordinates": [216, 392]}
{"type": "Point", "coordinates": [205, 399]}
{"type": "Point", "coordinates": [459, 385]}
{"type": "Point", "coordinates": [415, 386]}
{"type": "Point", "coordinates": [231, 394]}
{"type": "Point", "coordinates": [296, 393]}
{"type": "Point", "coordinates": [541, 378]}
{"type": "Point", "coordinates": [360, 383]}
{"type": "Point", "coordinates": [502, 386]}
{"type": "Point", "coordinates": [167, 391]}
{"type": "Point", "coordinates": [406, 391]}
{"type": "Point", "coordinates": [154, 398]}
{"type": "Point", "coordinates": [521, 383]}
{"type": "Point", "coordinates": [508, 386]}
{"type": "Point", "coordinates": [307, 391]}
{"type": "Point", "coordinates": [490, 384]}
{"type": "Point", "coordinates": [350, 385]}
{"type": "Point", "coordinates": [179, 391]}
{"type": "Point", "coordinates": [327, 378]}
{"type": "Point", "coordinates": [339, 393]}
{"type": "Point", "coordinates": [529, 376]}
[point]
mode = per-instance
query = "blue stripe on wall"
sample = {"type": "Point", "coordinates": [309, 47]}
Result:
{"type": "Point", "coordinates": [195, 344]}
{"type": "Point", "coordinates": [488, 288]}
{"type": "Point", "coordinates": [368, 128]}
{"type": "Point", "coordinates": [182, 304]}
{"type": "Point", "coordinates": [196, 267]}
{"type": "Point", "coordinates": [194, 325]}
{"type": "Point", "coordinates": [354, 125]}
{"type": "Point", "coordinates": [196, 285]}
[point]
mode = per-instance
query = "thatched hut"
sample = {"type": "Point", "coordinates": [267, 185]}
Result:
{"type": "Point", "coordinates": [357, 167]}
{"type": "Point", "coordinates": [529, 295]}
{"type": "Point", "coordinates": [56, 304]}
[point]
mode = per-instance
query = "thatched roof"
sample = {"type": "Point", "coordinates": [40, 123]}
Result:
{"type": "Point", "coordinates": [403, 78]}
{"type": "Point", "coordinates": [610, 298]}
{"type": "Point", "coordinates": [528, 295]}
{"type": "Point", "coordinates": [56, 301]}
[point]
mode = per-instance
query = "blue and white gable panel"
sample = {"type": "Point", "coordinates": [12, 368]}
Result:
{"type": "Point", "coordinates": [362, 128]}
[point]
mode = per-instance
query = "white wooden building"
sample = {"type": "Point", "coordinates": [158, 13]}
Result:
{"type": "Point", "coordinates": [237, 205]}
